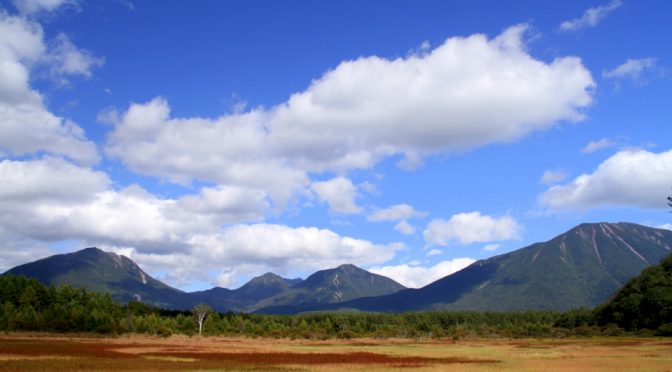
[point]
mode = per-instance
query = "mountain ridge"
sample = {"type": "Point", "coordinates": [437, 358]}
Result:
{"type": "Point", "coordinates": [339, 284]}
{"type": "Point", "coordinates": [579, 268]}
{"type": "Point", "coordinates": [107, 272]}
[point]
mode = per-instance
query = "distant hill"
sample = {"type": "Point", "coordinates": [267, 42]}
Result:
{"type": "Point", "coordinates": [105, 272]}
{"type": "Point", "coordinates": [580, 268]}
{"type": "Point", "coordinates": [343, 283]}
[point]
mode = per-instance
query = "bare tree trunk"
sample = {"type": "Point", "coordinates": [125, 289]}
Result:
{"type": "Point", "coordinates": [201, 311]}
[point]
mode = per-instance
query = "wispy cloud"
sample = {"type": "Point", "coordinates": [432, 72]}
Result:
{"type": "Point", "coordinates": [491, 247]}
{"type": "Point", "coordinates": [590, 17]}
{"type": "Point", "coordinates": [553, 176]}
{"type": "Point", "coordinates": [632, 69]}
{"type": "Point", "coordinates": [600, 144]}
{"type": "Point", "coordinates": [401, 213]}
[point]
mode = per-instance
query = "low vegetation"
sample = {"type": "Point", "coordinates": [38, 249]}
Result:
{"type": "Point", "coordinates": [27, 351]}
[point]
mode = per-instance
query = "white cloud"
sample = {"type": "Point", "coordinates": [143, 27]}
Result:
{"type": "Point", "coordinates": [490, 247]}
{"type": "Point", "coordinates": [229, 150]}
{"type": "Point", "coordinates": [368, 187]}
{"type": "Point", "coordinates": [245, 250]}
{"type": "Point", "coordinates": [49, 179]}
{"type": "Point", "coordinates": [53, 200]}
{"type": "Point", "coordinates": [434, 252]}
{"type": "Point", "coordinates": [189, 238]}
{"type": "Point", "coordinates": [667, 226]}
{"type": "Point", "coordinates": [465, 93]}
{"type": "Point", "coordinates": [418, 276]}
{"type": "Point", "coordinates": [398, 212]}
{"type": "Point", "coordinates": [468, 92]}
{"type": "Point", "coordinates": [65, 58]}
{"type": "Point", "coordinates": [29, 7]}
{"type": "Point", "coordinates": [593, 146]}
{"type": "Point", "coordinates": [553, 176]}
{"type": "Point", "coordinates": [632, 69]}
{"type": "Point", "coordinates": [285, 247]}
{"type": "Point", "coordinates": [590, 17]}
{"type": "Point", "coordinates": [27, 126]}
{"type": "Point", "coordinates": [632, 178]}
{"type": "Point", "coordinates": [471, 228]}
{"type": "Point", "coordinates": [227, 203]}
{"type": "Point", "coordinates": [405, 228]}
{"type": "Point", "coordinates": [339, 193]}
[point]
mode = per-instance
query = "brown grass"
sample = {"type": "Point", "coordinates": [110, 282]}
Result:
{"type": "Point", "coordinates": [38, 352]}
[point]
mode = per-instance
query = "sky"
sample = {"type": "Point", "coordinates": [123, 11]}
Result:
{"type": "Point", "coordinates": [214, 141]}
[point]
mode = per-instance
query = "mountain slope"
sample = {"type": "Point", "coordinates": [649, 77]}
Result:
{"type": "Point", "coordinates": [105, 272]}
{"type": "Point", "coordinates": [343, 283]}
{"type": "Point", "coordinates": [580, 268]}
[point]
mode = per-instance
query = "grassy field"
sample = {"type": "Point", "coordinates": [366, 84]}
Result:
{"type": "Point", "coordinates": [39, 352]}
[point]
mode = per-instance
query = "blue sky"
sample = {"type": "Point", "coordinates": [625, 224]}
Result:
{"type": "Point", "coordinates": [214, 141]}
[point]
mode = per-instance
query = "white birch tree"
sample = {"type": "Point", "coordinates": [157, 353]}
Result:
{"type": "Point", "coordinates": [201, 311]}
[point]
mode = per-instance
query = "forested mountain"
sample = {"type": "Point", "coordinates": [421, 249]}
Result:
{"type": "Point", "coordinates": [343, 283]}
{"type": "Point", "coordinates": [104, 272]}
{"type": "Point", "coordinates": [580, 268]}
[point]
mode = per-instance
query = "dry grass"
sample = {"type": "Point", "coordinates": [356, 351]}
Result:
{"type": "Point", "coordinates": [39, 352]}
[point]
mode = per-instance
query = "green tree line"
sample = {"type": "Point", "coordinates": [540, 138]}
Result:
{"type": "Point", "coordinates": [27, 305]}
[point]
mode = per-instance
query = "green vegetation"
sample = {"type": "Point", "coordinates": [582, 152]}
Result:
{"type": "Point", "coordinates": [645, 302]}
{"type": "Point", "coordinates": [25, 304]}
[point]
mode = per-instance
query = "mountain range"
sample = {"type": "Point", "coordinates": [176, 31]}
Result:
{"type": "Point", "coordinates": [579, 268]}
{"type": "Point", "coordinates": [124, 280]}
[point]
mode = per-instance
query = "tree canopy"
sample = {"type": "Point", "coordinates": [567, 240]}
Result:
{"type": "Point", "coordinates": [645, 302]}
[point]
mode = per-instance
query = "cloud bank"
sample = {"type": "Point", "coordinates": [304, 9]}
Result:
{"type": "Point", "coordinates": [629, 178]}
{"type": "Point", "coordinates": [419, 276]}
{"type": "Point", "coordinates": [473, 227]}
{"type": "Point", "coordinates": [467, 92]}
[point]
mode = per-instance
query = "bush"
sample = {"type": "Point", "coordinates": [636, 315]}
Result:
{"type": "Point", "coordinates": [164, 331]}
{"type": "Point", "coordinates": [664, 330]}
{"type": "Point", "coordinates": [613, 330]}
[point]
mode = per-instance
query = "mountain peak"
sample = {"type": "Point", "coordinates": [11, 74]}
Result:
{"type": "Point", "coordinates": [349, 267]}
{"type": "Point", "coordinates": [339, 284]}
{"type": "Point", "coordinates": [90, 251]}
{"type": "Point", "coordinates": [267, 278]}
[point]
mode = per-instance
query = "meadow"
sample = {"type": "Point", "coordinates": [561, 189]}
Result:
{"type": "Point", "coordinates": [53, 352]}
